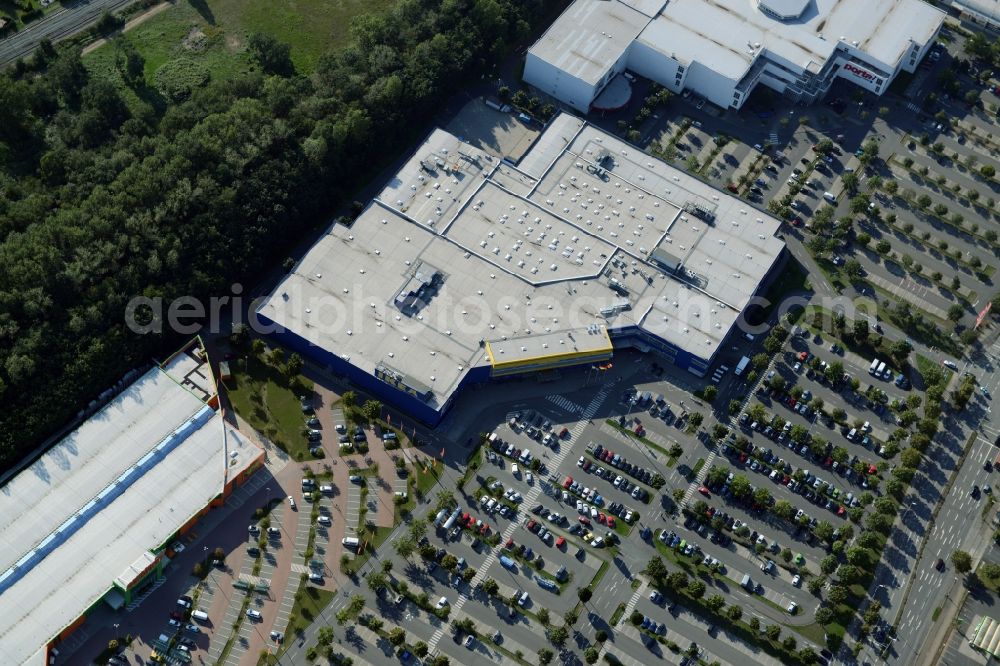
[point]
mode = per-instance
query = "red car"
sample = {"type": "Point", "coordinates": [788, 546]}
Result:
{"type": "Point", "coordinates": [602, 519]}
{"type": "Point", "coordinates": [611, 521]}
{"type": "Point", "coordinates": [510, 543]}
{"type": "Point", "coordinates": [841, 511]}
{"type": "Point", "coordinates": [585, 521]}
{"type": "Point", "coordinates": [732, 188]}
{"type": "Point", "coordinates": [803, 355]}
{"type": "Point", "coordinates": [704, 491]}
{"type": "Point", "coordinates": [568, 482]}
{"type": "Point", "coordinates": [532, 526]}
{"type": "Point", "coordinates": [560, 542]}
{"type": "Point", "coordinates": [564, 433]}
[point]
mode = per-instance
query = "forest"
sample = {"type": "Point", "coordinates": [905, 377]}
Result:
{"type": "Point", "coordinates": [196, 186]}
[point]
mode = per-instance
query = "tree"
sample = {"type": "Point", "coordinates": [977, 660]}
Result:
{"type": "Point", "coordinates": [696, 419]}
{"type": "Point", "coordinates": [824, 615]}
{"type": "Point", "coordinates": [584, 594]}
{"type": "Point", "coordinates": [709, 393]}
{"type": "Point", "coordinates": [272, 56]}
{"type": "Point", "coordinates": [445, 500]}
{"type": "Point", "coordinates": [955, 312]}
{"type": "Point", "coordinates": [715, 602]}
{"type": "Point", "coordinates": [377, 582]}
{"type": "Point", "coordinates": [853, 269]}
{"type": "Point", "coordinates": [850, 181]}
{"type": "Point", "coordinates": [677, 580]}
{"type": "Point", "coordinates": [404, 547]}
{"type": "Point", "coordinates": [783, 509]}
{"type": "Point", "coordinates": [987, 171]}
{"type": "Point", "coordinates": [962, 561]}
{"type": "Point", "coordinates": [590, 655]}
{"type": "Point", "coordinates": [372, 410]}
{"type": "Point", "coordinates": [543, 616]}
{"type": "Point", "coordinates": [397, 636]}
{"type": "Point", "coordinates": [656, 569]}
{"type": "Point", "coordinates": [734, 613]}
{"type": "Point", "coordinates": [129, 62]}
{"type": "Point", "coordinates": [491, 587]}
{"type": "Point", "coordinates": [740, 487]}
{"type": "Point", "coordinates": [558, 636]}
{"type": "Point", "coordinates": [294, 366]}
{"type": "Point", "coordinates": [696, 589]}
{"type": "Point", "coordinates": [545, 655]}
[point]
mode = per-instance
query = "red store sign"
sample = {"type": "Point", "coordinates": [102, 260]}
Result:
{"type": "Point", "coordinates": [858, 72]}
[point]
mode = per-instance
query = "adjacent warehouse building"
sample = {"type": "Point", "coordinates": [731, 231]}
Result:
{"type": "Point", "coordinates": [467, 269]}
{"type": "Point", "coordinates": [92, 521]}
{"type": "Point", "coordinates": [722, 49]}
{"type": "Point", "coordinates": [983, 12]}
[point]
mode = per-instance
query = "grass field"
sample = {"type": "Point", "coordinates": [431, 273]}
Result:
{"type": "Point", "coordinates": [269, 402]}
{"type": "Point", "coordinates": [213, 32]}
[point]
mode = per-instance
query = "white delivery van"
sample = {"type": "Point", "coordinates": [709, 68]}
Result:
{"type": "Point", "coordinates": [881, 369]}
{"type": "Point", "coordinates": [830, 197]}
{"type": "Point", "coordinates": [873, 367]}
{"type": "Point", "coordinates": [351, 542]}
{"type": "Point", "coordinates": [199, 615]}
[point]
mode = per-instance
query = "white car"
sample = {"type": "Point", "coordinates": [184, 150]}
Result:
{"type": "Point", "coordinates": [797, 580]}
{"type": "Point", "coordinates": [441, 603]}
{"type": "Point", "coordinates": [324, 520]}
{"type": "Point", "coordinates": [254, 614]}
{"type": "Point", "coordinates": [580, 507]}
{"type": "Point", "coordinates": [579, 463]}
{"type": "Point", "coordinates": [291, 502]}
{"type": "Point", "coordinates": [950, 364]}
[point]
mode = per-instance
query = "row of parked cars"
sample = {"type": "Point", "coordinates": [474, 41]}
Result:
{"type": "Point", "coordinates": [591, 495]}
{"type": "Point", "coordinates": [619, 462]}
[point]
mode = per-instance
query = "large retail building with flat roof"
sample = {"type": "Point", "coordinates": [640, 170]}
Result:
{"type": "Point", "coordinates": [721, 49]}
{"type": "Point", "coordinates": [93, 521]}
{"type": "Point", "coordinates": [468, 268]}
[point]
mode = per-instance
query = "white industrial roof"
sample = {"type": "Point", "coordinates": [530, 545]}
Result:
{"type": "Point", "coordinates": [987, 10]}
{"type": "Point", "coordinates": [590, 36]}
{"type": "Point", "coordinates": [553, 244]}
{"type": "Point", "coordinates": [727, 36]}
{"type": "Point", "coordinates": [89, 510]}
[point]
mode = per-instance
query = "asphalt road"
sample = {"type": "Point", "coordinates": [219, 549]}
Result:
{"type": "Point", "coordinates": [61, 23]}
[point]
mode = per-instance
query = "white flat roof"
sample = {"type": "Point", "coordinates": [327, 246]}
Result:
{"type": "Point", "coordinates": [727, 36]}
{"type": "Point", "coordinates": [557, 243]}
{"type": "Point", "coordinates": [93, 506]}
{"type": "Point", "coordinates": [724, 35]}
{"type": "Point", "coordinates": [590, 36]}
